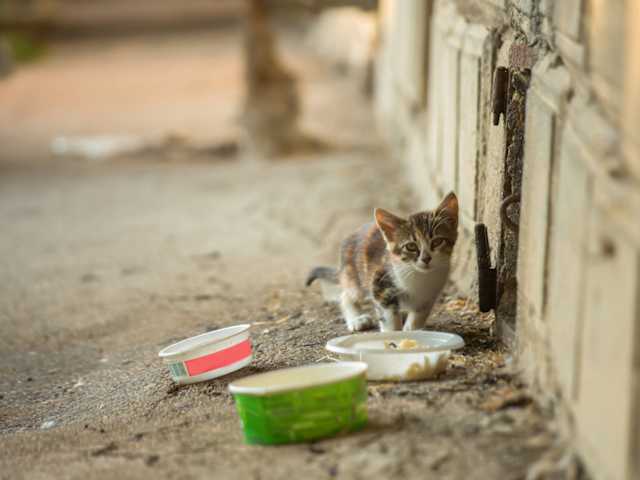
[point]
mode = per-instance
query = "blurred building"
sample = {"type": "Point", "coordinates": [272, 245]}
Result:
{"type": "Point", "coordinates": [562, 81]}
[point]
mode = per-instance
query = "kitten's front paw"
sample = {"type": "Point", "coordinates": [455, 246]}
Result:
{"type": "Point", "coordinates": [360, 323]}
{"type": "Point", "coordinates": [388, 328]}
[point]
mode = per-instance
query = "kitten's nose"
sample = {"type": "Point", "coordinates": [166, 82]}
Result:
{"type": "Point", "coordinates": [426, 258]}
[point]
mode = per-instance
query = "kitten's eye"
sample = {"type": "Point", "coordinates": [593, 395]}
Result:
{"type": "Point", "coordinates": [436, 243]}
{"type": "Point", "coordinates": [411, 247]}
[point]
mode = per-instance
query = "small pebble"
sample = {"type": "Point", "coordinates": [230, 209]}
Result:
{"type": "Point", "coordinates": [47, 424]}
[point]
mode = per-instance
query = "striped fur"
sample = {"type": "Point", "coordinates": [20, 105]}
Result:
{"type": "Point", "coordinates": [399, 264]}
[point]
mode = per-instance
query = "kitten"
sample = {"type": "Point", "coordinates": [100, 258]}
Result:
{"type": "Point", "coordinates": [399, 264]}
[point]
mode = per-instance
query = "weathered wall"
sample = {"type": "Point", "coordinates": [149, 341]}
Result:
{"type": "Point", "coordinates": [576, 251]}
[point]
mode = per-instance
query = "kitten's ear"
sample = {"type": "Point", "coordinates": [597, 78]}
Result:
{"type": "Point", "coordinates": [388, 223]}
{"type": "Point", "coordinates": [450, 206]}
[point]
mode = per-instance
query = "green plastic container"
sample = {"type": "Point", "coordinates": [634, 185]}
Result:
{"type": "Point", "coordinates": [302, 404]}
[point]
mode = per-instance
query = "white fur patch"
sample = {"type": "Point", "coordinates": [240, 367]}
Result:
{"type": "Point", "coordinates": [330, 291]}
{"type": "Point", "coordinates": [420, 289]}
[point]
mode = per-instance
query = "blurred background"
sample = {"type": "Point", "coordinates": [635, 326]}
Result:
{"type": "Point", "coordinates": [120, 71]}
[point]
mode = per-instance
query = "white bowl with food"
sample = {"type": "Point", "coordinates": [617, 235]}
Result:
{"type": "Point", "coordinates": [398, 356]}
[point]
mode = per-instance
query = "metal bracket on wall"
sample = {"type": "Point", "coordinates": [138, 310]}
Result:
{"type": "Point", "coordinates": [487, 276]}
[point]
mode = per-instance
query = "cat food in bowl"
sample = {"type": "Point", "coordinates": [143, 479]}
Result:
{"type": "Point", "coordinates": [398, 356]}
{"type": "Point", "coordinates": [209, 355]}
{"type": "Point", "coordinates": [302, 404]}
{"type": "Point", "coordinates": [404, 344]}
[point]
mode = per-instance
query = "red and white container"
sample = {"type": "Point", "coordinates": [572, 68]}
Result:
{"type": "Point", "coordinates": [209, 355]}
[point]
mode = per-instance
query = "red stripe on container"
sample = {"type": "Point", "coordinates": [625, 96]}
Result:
{"type": "Point", "coordinates": [219, 359]}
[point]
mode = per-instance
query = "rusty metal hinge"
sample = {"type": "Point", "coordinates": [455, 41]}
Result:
{"type": "Point", "coordinates": [499, 93]}
{"type": "Point", "coordinates": [504, 211]}
{"type": "Point", "coordinates": [487, 276]}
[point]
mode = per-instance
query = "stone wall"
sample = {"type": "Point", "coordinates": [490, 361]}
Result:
{"type": "Point", "coordinates": [570, 302]}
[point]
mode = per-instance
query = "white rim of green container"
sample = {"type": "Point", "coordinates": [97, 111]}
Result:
{"type": "Point", "coordinates": [336, 372]}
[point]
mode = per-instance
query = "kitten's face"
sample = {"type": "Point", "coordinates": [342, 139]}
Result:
{"type": "Point", "coordinates": [426, 239]}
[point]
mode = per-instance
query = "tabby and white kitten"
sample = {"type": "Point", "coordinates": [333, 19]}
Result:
{"type": "Point", "coordinates": [399, 264]}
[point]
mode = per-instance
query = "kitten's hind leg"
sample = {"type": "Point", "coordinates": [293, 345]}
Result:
{"type": "Point", "coordinates": [352, 312]}
{"type": "Point", "coordinates": [390, 319]}
{"type": "Point", "coordinates": [387, 299]}
{"type": "Point", "coordinates": [416, 320]}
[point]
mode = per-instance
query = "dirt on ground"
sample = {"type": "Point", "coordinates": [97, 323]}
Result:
{"type": "Point", "coordinates": [105, 263]}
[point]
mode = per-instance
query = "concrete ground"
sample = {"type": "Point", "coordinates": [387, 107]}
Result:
{"type": "Point", "coordinates": [105, 263]}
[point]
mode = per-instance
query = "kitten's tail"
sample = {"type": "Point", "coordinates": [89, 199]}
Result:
{"type": "Point", "coordinates": [328, 274]}
{"type": "Point", "coordinates": [328, 281]}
